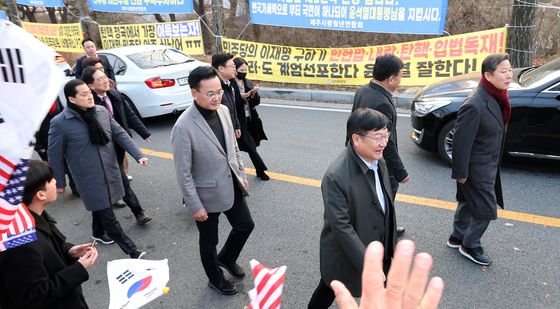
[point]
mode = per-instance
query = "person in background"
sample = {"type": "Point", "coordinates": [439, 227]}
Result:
{"type": "Point", "coordinates": [252, 131]}
{"type": "Point", "coordinates": [225, 68]}
{"type": "Point", "coordinates": [84, 134]}
{"type": "Point", "coordinates": [378, 95]}
{"type": "Point", "coordinates": [91, 51]}
{"type": "Point", "coordinates": [121, 112]}
{"type": "Point", "coordinates": [478, 143]}
{"type": "Point", "coordinates": [97, 63]}
{"type": "Point", "coordinates": [48, 272]}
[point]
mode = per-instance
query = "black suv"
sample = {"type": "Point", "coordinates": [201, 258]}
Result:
{"type": "Point", "coordinates": [534, 127]}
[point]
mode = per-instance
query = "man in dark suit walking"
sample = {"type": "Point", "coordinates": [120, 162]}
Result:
{"type": "Point", "coordinates": [478, 143]}
{"type": "Point", "coordinates": [123, 114]}
{"type": "Point", "coordinates": [358, 207]}
{"type": "Point", "coordinates": [212, 178]}
{"type": "Point", "coordinates": [377, 95]}
{"type": "Point", "coordinates": [91, 51]}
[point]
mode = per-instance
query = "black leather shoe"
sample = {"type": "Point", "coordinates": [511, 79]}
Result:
{"type": "Point", "coordinates": [137, 254]}
{"type": "Point", "coordinates": [400, 231]}
{"type": "Point", "coordinates": [476, 255]}
{"type": "Point", "coordinates": [454, 242]}
{"type": "Point", "coordinates": [234, 270]}
{"type": "Point", "coordinates": [263, 176]}
{"type": "Point", "coordinates": [225, 287]}
{"type": "Point", "coordinates": [104, 239]}
{"type": "Point", "coordinates": [119, 204]}
{"type": "Point", "coordinates": [142, 219]}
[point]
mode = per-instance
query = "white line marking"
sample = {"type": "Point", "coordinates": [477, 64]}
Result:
{"type": "Point", "coordinates": [324, 109]}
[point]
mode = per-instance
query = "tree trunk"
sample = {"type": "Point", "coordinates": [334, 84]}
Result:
{"type": "Point", "coordinates": [521, 32]}
{"type": "Point", "coordinates": [63, 15]}
{"type": "Point", "coordinates": [172, 17]}
{"type": "Point", "coordinates": [159, 18]}
{"type": "Point", "coordinates": [218, 20]}
{"type": "Point", "coordinates": [206, 35]}
{"type": "Point", "coordinates": [28, 12]}
{"type": "Point", "coordinates": [232, 11]}
{"type": "Point", "coordinates": [13, 12]}
{"type": "Point", "coordinates": [52, 15]}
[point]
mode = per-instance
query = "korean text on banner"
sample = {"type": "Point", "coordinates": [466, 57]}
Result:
{"type": "Point", "coordinates": [61, 37]}
{"type": "Point", "coordinates": [425, 61]}
{"type": "Point", "coordinates": [46, 3]}
{"type": "Point", "coordinates": [185, 35]}
{"type": "Point", "coordinates": [142, 6]}
{"type": "Point", "coordinates": [389, 16]}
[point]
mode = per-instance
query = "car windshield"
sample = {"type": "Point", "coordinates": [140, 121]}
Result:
{"type": "Point", "coordinates": [531, 77]}
{"type": "Point", "coordinates": [159, 58]}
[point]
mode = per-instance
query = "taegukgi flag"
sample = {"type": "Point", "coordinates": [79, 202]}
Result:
{"type": "Point", "coordinates": [134, 283]}
{"type": "Point", "coordinates": [29, 83]}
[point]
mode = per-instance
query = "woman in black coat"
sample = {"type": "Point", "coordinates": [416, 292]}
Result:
{"type": "Point", "coordinates": [252, 132]}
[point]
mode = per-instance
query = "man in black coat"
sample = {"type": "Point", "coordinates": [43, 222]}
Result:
{"type": "Point", "coordinates": [358, 207]}
{"type": "Point", "coordinates": [48, 272]}
{"type": "Point", "coordinates": [478, 143]}
{"type": "Point", "coordinates": [91, 51]}
{"type": "Point", "coordinates": [377, 95]}
{"type": "Point", "coordinates": [225, 68]}
{"type": "Point", "coordinates": [123, 114]}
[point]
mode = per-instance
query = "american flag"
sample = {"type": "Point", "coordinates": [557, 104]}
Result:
{"type": "Point", "coordinates": [269, 283]}
{"type": "Point", "coordinates": [17, 226]}
{"type": "Point", "coordinates": [6, 169]}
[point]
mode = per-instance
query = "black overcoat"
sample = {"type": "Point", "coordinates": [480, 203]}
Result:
{"type": "Point", "coordinates": [478, 143]}
{"type": "Point", "coordinates": [252, 130]}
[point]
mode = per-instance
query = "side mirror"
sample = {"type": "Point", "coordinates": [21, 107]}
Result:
{"type": "Point", "coordinates": [120, 71]}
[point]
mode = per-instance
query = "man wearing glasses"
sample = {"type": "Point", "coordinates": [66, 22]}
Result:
{"type": "Point", "coordinates": [212, 177]}
{"type": "Point", "coordinates": [358, 207]}
{"type": "Point", "coordinates": [225, 67]}
{"type": "Point", "coordinates": [377, 95]}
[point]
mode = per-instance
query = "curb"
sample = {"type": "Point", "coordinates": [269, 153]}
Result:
{"type": "Point", "coordinates": [403, 100]}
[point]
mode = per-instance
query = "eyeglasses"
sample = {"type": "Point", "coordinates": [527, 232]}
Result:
{"type": "Point", "coordinates": [378, 138]}
{"type": "Point", "coordinates": [211, 95]}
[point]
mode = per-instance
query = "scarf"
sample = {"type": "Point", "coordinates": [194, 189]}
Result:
{"type": "Point", "coordinates": [96, 133]}
{"type": "Point", "coordinates": [500, 95]}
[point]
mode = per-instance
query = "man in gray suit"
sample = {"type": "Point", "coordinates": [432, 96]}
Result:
{"type": "Point", "coordinates": [477, 150]}
{"type": "Point", "coordinates": [212, 177]}
{"type": "Point", "coordinates": [358, 206]}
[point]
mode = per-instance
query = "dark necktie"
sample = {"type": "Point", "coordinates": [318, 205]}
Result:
{"type": "Point", "coordinates": [107, 105]}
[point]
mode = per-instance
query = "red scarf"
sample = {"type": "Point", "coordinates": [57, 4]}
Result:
{"type": "Point", "coordinates": [500, 95]}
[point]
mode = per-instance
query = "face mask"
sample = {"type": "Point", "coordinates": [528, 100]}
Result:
{"type": "Point", "coordinates": [241, 75]}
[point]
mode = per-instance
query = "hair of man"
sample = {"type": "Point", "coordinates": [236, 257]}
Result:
{"type": "Point", "coordinates": [490, 63]}
{"type": "Point", "coordinates": [70, 88]}
{"type": "Point", "coordinates": [199, 74]}
{"type": "Point", "coordinates": [91, 62]}
{"type": "Point", "coordinates": [39, 173]}
{"type": "Point", "coordinates": [363, 120]}
{"type": "Point", "coordinates": [84, 41]}
{"type": "Point", "coordinates": [87, 75]}
{"type": "Point", "coordinates": [386, 66]}
{"type": "Point", "coordinates": [220, 59]}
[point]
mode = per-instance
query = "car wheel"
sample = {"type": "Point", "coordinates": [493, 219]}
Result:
{"type": "Point", "coordinates": [129, 102]}
{"type": "Point", "coordinates": [445, 141]}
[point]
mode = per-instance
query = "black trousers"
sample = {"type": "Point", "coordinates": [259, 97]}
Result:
{"type": "Point", "coordinates": [322, 298]}
{"type": "Point", "coordinates": [258, 162]}
{"type": "Point", "coordinates": [104, 221]}
{"type": "Point", "coordinates": [129, 196]}
{"type": "Point", "coordinates": [242, 225]}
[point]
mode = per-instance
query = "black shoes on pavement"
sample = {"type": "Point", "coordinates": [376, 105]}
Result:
{"type": "Point", "coordinates": [225, 287]}
{"type": "Point", "coordinates": [234, 270]}
{"type": "Point", "coordinates": [476, 255]}
{"type": "Point", "coordinates": [262, 175]}
{"type": "Point", "coordinates": [119, 204]}
{"type": "Point", "coordinates": [137, 254]}
{"type": "Point", "coordinates": [454, 242]}
{"type": "Point", "coordinates": [142, 219]}
{"type": "Point", "coordinates": [104, 239]}
{"type": "Point", "coordinates": [400, 231]}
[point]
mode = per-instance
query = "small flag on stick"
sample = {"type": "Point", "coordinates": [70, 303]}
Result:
{"type": "Point", "coordinates": [269, 283]}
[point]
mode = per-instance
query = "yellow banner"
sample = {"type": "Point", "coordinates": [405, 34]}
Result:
{"type": "Point", "coordinates": [183, 35]}
{"type": "Point", "coordinates": [425, 61]}
{"type": "Point", "coordinates": [61, 37]}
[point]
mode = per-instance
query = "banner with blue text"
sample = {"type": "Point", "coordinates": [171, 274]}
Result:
{"type": "Point", "coordinates": [388, 16]}
{"type": "Point", "coordinates": [142, 6]}
{"type": "Point", "coordinates": [46, 3]}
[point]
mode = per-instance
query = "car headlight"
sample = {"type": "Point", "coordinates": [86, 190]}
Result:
{"type": "Point", "coordinates": [426, 106]}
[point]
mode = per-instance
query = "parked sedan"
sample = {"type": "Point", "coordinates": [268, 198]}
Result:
{"type": "Point", "coordinates": [153, 78]}
{"type": "Point", "coordinates": [534, 127]}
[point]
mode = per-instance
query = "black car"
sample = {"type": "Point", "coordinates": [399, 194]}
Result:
{"type": "Point", "coordinates": [534, 127]}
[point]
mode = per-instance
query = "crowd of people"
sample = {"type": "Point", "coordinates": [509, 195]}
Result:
{"type": "Point", "coordinates": [88, 138]}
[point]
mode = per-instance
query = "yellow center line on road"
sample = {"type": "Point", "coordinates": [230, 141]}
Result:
{"type": "Point", "coordinates": [410, 199]}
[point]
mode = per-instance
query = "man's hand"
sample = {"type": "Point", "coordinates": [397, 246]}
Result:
{"type": "Point", "coordinates": [403, 290]}
{"type": "Point", "coordinates": [462, 180]}
{"type": "Point", "coordinates": [143, 161]}
{"type": "Point", "coordinates": [200, 215]}
{"type": "Point", "coordinates": [407, 179]}
{"type": "Point", "coordinates": [238, 133]}
{"type": "Point", "coordinates": [89, 258]}
{"type": "Point", "coordinates": [246, 184]}
{"type": "Point", "coordinates": [79, 250]}
{"type": "Point", "coordinates": [149, 139]}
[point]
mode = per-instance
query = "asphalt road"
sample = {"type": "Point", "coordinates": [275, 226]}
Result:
{"type": "Point", "coordinates": [288, 217]}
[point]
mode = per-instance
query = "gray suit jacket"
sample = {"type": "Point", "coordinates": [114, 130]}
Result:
{"type": "Point", "coordinates": [353, 218]}
{"type": "Point", "coordinates": [204, 169]}
{"type": "Point", "coordinates": [478, 143]}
